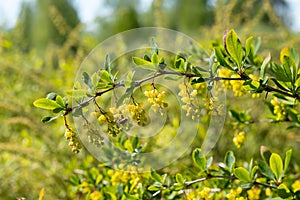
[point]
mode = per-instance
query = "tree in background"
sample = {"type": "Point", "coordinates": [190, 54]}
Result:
{"type": "Point", "coordinates": [124, 17]}
{"type": "Point", "coordinates": [22, 30]}
{"type": "Point", "coordinates": [45, 22]}
{"type": "Point", "coordinates": [192, 14]}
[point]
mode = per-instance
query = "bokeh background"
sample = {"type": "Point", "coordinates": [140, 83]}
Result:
{"type": "Point", "coordinates": [43, 42]}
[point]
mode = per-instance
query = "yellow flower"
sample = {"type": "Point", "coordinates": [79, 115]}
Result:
{"type": "Point", "coordinates": [279, 109]}
{"type": "Point", "coordinates": [96, 195]}
{"type": "Point", "coordinates": [190, 103]}
{"type": "Point", "coordinates": [268, 192]}
{"type": "Point", "coordinates": [239, 139]}
{"type": "Point", "coordinates": [234, 193]}
{"type": "Point", "coordinates": [224, 72]}
{"type": "Point", "coordinates": [156, 99]}
{"type": "Point", "coordinates": [254, 193]}
{"type": "Point", "coordinates": [237, 86]}
{"type": "Point", "coordinates": [130, 176]}
{"type": "Point", "coordinates": [85, 187]}
{"type": "Point", "coordinates": [296, 186]}
{"type": "Point", "coordinates": [204, 193]}
{"type": "Point", "coordinates": [138, 114]}
{"type": "Point", "coordinates": [68, 134]}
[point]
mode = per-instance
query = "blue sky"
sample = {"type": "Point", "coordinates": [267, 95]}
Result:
{"type": "Point", "coordinates": [89, 9]}
{"type": "Point", "coordinates": [9, 10]}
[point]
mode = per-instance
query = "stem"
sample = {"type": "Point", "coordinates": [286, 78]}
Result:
{"type": "Point", "coordinates": [265, 185]}
{"type": "Point", "coordinates": [209, 176]}
{"type": "Point", "coordinates": [271, 89]}
{"type": "Point", "coordinates": [186, 74]}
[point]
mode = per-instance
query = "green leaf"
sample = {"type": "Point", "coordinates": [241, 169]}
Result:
{"type": "Point", "coordinates": [230, 160]}
{"type": "Point", "coordinates": [179, 64]}
{"type": "Point", "coordinates": [87, 79]}
{"type": "Point", "coordinates": [155, 176]}
{"type": "Point", "coordinates": [265, 153]}
{"type": "Point", "coordinates": [242, 174]}
{"type": "Point", "coordinates": [48, 118]}
{"type": "Point", "coordinates": [297, 82]}
{"type": "Point", "coordinates": [179, 179]}
{"type": "Point", "coordinates": [234, 47]}
{"type": "Point", "coordinates": [59, 100]}
{"type": "Point", "coordinates": [276, 165]}
{"type": "Point", "coordinates": [293, 114]}
{"type": "Point", "coordinates": [199, 159]}
{"type": "Point", "coordinates": [46, 104]}
{"type": "Point", "coordinates": [280, 73]}
{"type": "Point", "coordinates": [135, 142]}
{"type": "Point", "coordinates": [147, 58]}
{"type": "Point", "coordinates": [107, 64]}
{"type": "Point", "coordinates": [95, 80]}
{"type": "Point", "coordinates": [143, 63]}
{"type": "Point", "coordinates": [105, 76]}
{"type": "Point", "coordinates": [287, 67]}
{"type": "Point", "coordinates": [153, 188]}
{"type": "Point", "coordinates": [129, 79]}
{"type": "Point", "coordinates": [77, 93]}
{"type": "Point", "coordinates": [294, 55]}
{"type": "Point", "coordinates": [248, 46]}
{"type": "Point", "coordinates": [257, 45]}
{"type": "Point", "coordinates": [220, 58]}
{"type": "Point", "coordinates": [98, 179]}
{"type": "Point", "coordinates": [283, 191]}
{"type": "Point", "coordinates": [51, 96]}
{"type": "Point", "coordinates": [254, 171]}
{"type": "Point", "coordinates": [288, 156]}
{"type": "Point", "coordinates": [235, 114]}
{"type": "Point", "coordinates": [154, 59]}
{"type": "Point", "coordinates": [265, 169]}
{"type": "Point", "coordinates": [128, 146]}
{"type": "Point", "coordinates": [264, 66]}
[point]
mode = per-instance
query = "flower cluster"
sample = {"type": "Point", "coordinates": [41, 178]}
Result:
{"type": "Point", "coordinates": [206, 194]}
{"type": "Point", "coordinates": [95, 138]}
{"type": "Point", "coordinates": [124, 177]}
{"type": "Point", "coordinates": [156, 98]}
{"type": "Point", "coordinates": [234, 193]}
{"type": "Point", "coordinates": [138, 114]}
{"type": "Point", "coordinates": [73, 140]}
{"type": "Point", "coordinates": [296, 186]}
{"type": "Point", "coordinates": [256, 79]}
{"type": "Point", "coordinates": [201, 88]}
{"type": "Point", "coordinates": [208, 103]}
{"type": "Point", "coordinates": [113, 128]}
{"type": "Point", "coordinates": [279, 109]}
{"type": "Point", "coordinates": [85, 187]}
{"type": "Point", "coordinates": [254, 193]}
{"type": "Point", "coordinates": [237, 86]}
{"type": "Point", "coordinates": [268, 192]}
{"type": "Point", "coordinates": [96, 195]}
{"type": "Point", "coordinates": [239, 139]}
{"type": "Point", "coordinates": [224, 72]}
{"type": "Point", "coordinates": [190, 102]}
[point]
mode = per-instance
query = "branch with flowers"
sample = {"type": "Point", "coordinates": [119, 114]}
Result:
{"type": "Point", "coordinates": [229, 66]}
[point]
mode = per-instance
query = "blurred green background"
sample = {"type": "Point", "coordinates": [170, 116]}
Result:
{"type": "Point", "coordinates": [42, 51]}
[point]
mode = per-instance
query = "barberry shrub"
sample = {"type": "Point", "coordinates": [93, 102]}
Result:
{"type": "Point", "coordinates": [229, 66]}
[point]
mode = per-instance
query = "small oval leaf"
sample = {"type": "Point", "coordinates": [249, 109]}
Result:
{"type": "Point", "coordinates": [234, 47]}
{"type": "Point", "coordinates": [276, 165]}
{"type": "Point", "coordinates": [46, 104]}
{"type": "Point", "coordinates": [199, 159]}
{"type": "Point", "coordinates": [242, 174]}
{"type": "Point", "coordinates": [288, 156]}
